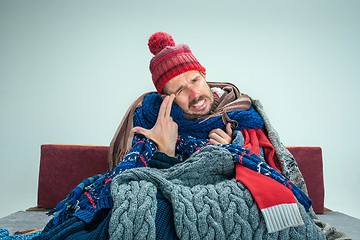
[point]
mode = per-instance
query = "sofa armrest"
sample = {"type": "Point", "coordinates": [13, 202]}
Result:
{"type": "Point", "coordinates": [63, 167]}
{"type": "Point", "coordinates": [310, 163]}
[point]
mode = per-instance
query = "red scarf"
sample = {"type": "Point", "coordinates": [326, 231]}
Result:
{"type": "Point", "coordinates": [276, 202]}
{"type": "Point", "coordinates": [254, 139]}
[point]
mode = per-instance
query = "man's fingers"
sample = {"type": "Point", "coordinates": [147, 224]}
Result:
{"type": "Point", "coordinates": [218, 136]}
{"type": "Point", "coordinates": [215, 137]}
{"type": "Point", "coordinates": [214, 142]}
{"type": "Point", "coordinates": [218, 132]}
{"type": "Point", "coordinates": [165, 107]}
{"type": "Point", "coordinates": [141, 130]}
{"type": "Point", "coordinates": [228, 129]}
{"type": "Point", "coordinates": [169, 105]}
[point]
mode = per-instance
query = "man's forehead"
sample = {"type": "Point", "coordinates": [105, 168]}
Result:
{"type": "Point", "coordinates": [176, 82]}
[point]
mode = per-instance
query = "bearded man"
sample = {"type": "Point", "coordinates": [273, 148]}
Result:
{"type": "Point", "coordinates": [185, 115]}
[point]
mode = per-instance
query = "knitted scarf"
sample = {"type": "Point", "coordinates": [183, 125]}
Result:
{"type": "Point", "coordinates": [146, 116]}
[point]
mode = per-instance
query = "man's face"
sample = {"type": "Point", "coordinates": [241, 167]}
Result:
{"type": "Point", "coordinates": [192, 93]}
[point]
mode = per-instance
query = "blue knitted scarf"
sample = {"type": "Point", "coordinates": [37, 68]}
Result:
{"type": "Point", "coordinates": [91, 196]}
{"type": "Point", "coordinates": [146, 117]}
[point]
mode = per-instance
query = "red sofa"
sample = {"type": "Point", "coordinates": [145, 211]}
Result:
{"type": "Point", "coordinates": [63, 167]}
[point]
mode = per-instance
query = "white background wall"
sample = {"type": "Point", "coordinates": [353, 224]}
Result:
{"type": "Point", "coordinates": [70, 69]}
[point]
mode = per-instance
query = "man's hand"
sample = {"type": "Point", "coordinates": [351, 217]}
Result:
{"type": "Point", "coordinates": [218, 136]}
{"type": "Point", "coordinates": [165, 131]}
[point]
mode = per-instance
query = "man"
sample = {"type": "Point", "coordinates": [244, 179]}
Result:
{"type": "Point", "coordinates": [190, 115]}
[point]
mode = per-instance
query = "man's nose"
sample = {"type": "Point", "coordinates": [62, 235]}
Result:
{"type": "Point", "coordinates": [194, 93]}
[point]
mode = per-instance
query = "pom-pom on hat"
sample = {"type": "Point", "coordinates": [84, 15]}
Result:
{"type": "Point", "coordinates": [170, 60]}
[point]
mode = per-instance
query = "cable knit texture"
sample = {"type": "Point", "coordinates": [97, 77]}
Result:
{"type": "Point", "coordinates": [207, 202]}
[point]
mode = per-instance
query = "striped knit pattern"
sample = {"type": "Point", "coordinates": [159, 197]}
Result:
{"type": "Point", "coordinates": [282, 216]}
{"type": "Point", "coordinates": [171, 62]}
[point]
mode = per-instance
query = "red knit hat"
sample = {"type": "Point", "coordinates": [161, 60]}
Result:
{"type": "Point", "coordinates": [170, 60]}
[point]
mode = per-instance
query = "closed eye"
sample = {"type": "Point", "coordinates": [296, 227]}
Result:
{"type": "Point", "coordinates": [179, 90]}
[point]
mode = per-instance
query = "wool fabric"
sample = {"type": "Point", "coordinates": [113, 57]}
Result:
{"type": "Point", "coordinates": [170, 60]}
{"type": "Point", "coordinates": [75, 229]}
{"type": "Point", "coordinates": [207, 202]}
{"type": "Point", "coordinates": [5, 235]}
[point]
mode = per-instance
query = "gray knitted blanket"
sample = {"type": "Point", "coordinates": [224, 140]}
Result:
{"type": "Point", "coordinates": [207, 202]}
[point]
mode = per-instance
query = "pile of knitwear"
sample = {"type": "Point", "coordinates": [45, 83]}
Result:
{"type": "Point", "coordinates": [207, 202]}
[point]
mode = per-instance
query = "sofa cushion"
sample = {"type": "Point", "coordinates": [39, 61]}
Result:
{"type": "Point", "coordinates": [63, 167]}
